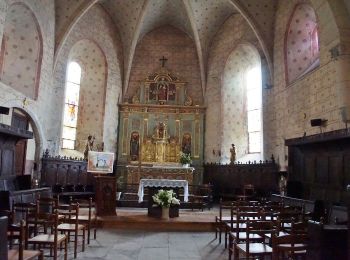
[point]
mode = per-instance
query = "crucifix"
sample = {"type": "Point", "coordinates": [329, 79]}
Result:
{"type": "Point", "coordinates": [163, 60]}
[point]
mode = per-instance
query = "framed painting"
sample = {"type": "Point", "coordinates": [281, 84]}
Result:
{"type": "Point", "coordinates": [100, 162]}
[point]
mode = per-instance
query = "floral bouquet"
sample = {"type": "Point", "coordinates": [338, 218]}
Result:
{"type": "Point", "coordinates": [165, 198]}
{"type": "Point", "coordinates": [185, 158]}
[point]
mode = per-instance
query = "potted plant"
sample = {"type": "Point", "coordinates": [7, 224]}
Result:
{"type": "Point", "coordinates": [164, 199]}
{"type": "Point", "coordinates": [185, 159]}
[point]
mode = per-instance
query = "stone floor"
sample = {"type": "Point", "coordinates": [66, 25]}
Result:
{"type": "Point", "coordinates": [143, 245]}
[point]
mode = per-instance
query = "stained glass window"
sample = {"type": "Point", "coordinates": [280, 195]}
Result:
{"type": "Point", "coordinates": [254, 97]}
{"type": "Point", "coordinates": [71, 106]}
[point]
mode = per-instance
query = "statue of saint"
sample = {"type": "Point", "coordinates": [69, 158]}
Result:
{"type": "Point", "coordinates": [233, 154]}
{"type": "Point", "coordinates": [162, 93]}
{"type": "Point", "coordinates": [89, 146]}
{"type": "Point", "coordinates": [134, 146]}
{"type": "Point", "coordinates": [282, 184]}
{"type": "Point", "coordinates": [186, 143]}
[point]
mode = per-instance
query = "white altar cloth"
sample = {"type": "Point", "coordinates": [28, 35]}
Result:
{"type": "Point", "coordinates": [163, 183]}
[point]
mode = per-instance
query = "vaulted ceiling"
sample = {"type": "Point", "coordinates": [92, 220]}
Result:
{"type": "Point", "coordinates": [200, 19]}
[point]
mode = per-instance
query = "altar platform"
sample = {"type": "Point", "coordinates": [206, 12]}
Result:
{"type": "Point", "coordinates": [137, 219]}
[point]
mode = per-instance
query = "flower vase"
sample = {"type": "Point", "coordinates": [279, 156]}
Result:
{"type": "Point", "coordinates": [186, 165]}
{"type": "Point", "coordinates": [165, 213]}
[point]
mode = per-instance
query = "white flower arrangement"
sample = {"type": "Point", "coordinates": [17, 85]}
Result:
{"type": "Point", "coordinates": [185, 158]}
{"type": "Point", "coordinates": [165, 198]}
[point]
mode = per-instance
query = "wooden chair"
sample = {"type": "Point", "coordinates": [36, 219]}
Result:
{"type": "Point", "coordinates": [18, 212]}
{"type": "Point", "coordinates": [90, 220]}
{"type": "Point", "coordinates": [289, 246]}
{"type": "Point", "coordinates": [46, 204]}
{"type": "Point", "coordinates": [22, 254]}
{"type": "Point", "coordinates": [286, 215]}
{"type": "Point", "coordinates": [12, 232]}
{"type": "Point", "coordinates": [251, 248]}
{"type": "Point", "coordinates": [298, 227]}
{"type": "Point", "coordinates": [3, 234]}
{"type": "Point", "coordinates": [238, 207]}
{"type": "Point", "coordinates": [221, 220]}
{"type": "Point", "coordinates": [238, 233]}
{"type": "Point", "coordinates": [49, 238]}
{"type": "Point", "coordinates": [71, 225]}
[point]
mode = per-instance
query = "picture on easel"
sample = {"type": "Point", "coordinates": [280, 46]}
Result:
{"type": "Point", "coordinates": [100, 162]}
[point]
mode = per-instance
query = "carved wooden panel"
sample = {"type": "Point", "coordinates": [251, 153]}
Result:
{"type": "Point", "coordinates": [49, 175]}
{"type": "Point", "coordinates": [325, 163]}
{"type": "Point", "coordinates": [105, 195]}
{"type": "Point", "coordinates": [62, 170]}
{"type": "Point", "coordinates": [322, 170]}
{"type": "Point", "coordinates": [73, 174]}
{"type": "Point", "coordinates": [231, 178]}
{"type": "Point", "coordinates": [8, 160]}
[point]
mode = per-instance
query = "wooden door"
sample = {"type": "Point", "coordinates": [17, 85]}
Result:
{"type": "Point", "coordinates": [20, 121]}
{"type": "Point", "coordinates": [20, 157]}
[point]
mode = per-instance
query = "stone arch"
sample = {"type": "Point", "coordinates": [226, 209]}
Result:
{"type": "Point", "coordinates": [164, 40]}
{"type": "Point", "coordinates": [233, 99]}
{"type": "Point", "coordinates": [88, 54]}
{"type": "Point", "coordinates": [94, 25]}
{"type": "Point", "coordinates": [301, 42]}
{"type": "Point", "coordinates": [21, 50]}
{"type": "Point", "coordinates": [40, 140]}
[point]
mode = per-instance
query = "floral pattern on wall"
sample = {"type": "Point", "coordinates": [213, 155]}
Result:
{"type": "Point", "coordinates": [92, 91]}
{"type": "Point", "coordinates": [21, 51]}
{"type": "Point", "coordinates": [302, 48]}
{"type": "Point", "coordinates": [234, 103]}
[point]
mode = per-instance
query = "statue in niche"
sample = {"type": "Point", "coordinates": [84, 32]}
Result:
{"type": "Point", "coordinates": [186, 143]}
{"type": "Point", "coordinates": [89, 146]}
{"type": "Point", "coordinates": [188, 99]}
{"type": "Point", "coordinates": [161, 131]}
{"type": "Point", "coordinates": [134, 146]}
{"type": "Point", "coordinates": [233, 154]}
{"type": "Point", "coordinates": [162, 92]}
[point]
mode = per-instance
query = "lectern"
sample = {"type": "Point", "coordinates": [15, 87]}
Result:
{"type": "Point", "coordinates": [105, 195]}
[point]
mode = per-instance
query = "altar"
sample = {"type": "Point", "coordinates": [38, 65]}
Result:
{"type": "Point", "coordinates": [166, 171]}
{"type": "Point", "coordinates": [156, 184]}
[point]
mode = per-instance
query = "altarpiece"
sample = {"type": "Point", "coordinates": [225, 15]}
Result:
{"type": "Point", "coordinates": [156, 124]}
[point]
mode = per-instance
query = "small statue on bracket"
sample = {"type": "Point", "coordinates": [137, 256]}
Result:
{"type": "Point", "coordinates": [89, 146]}
{"type": "Point", "coordinates": [233, 154]}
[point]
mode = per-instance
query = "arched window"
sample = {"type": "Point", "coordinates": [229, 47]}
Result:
{"type": "Point", "coordinates": [71, 106]}
{"type": "Point", "coordinates": [254, 97]}
{"type": "Point", "coordinates": [242, 105]}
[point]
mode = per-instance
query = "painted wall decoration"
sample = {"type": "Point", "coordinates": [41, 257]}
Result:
{"type": "Point", "coordinates": [302, 47]}
{"type": "Point", "coordinates": [92, 91]}
{"type": "Point", "coordinates": [21, 51]}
